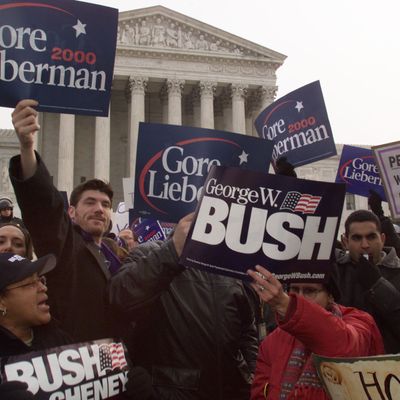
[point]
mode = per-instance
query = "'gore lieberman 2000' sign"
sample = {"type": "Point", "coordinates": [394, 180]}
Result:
{"type": "Point", "coordinates": [58, 52]}
{"type": "Point", "coordinates": [173, 161]}
{"type": "Point", "coordinates": [298, 126]}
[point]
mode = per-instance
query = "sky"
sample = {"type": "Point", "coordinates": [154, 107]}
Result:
{"type": "Point", "coordinates": [351, 46]}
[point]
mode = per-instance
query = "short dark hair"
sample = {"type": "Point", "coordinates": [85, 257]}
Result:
{"type": "Point", "coordinates": [361, 216]}
{"type": "Point", "coordinates": [91, 184]}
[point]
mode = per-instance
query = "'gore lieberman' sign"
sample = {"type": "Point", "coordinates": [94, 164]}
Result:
{"type": "Point", "coordinates": [246, 218]}
{"type": "Point", "coordinates": [59, 52]}
{"type": "Point", "coordinates": [298, 126]}
{"type": "Point", "coordinates": [358, 169]}
{"type": "Point", "coordinates": [172, 163]}
{"type": "Point", "coordinates": [93, 370]}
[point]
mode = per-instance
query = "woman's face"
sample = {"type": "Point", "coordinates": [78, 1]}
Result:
{"type": "Point", "coordinates": [25, 302]}
{"type": "Point", "coordinates": [12, 240]}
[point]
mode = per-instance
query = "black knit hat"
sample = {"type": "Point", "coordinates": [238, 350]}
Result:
{"type": "Point", "coordinates": [5, 202]}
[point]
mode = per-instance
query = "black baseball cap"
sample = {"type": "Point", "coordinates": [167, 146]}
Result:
{"type": "Point", "coordinates": [14, 268]}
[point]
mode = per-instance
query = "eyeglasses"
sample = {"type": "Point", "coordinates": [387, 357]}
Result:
{"type": "Point", "coordinates": [6, 209]}
{"type": "Point", "coordinates": [309, 292]}
{"type": "Point", "coordinates": [33, 284]}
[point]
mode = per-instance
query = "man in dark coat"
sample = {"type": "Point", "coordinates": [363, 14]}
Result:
{"type": "Point", "coordinates": [78, 285]}
{"type": "Point", "coordinates": [194, 331]}
{"type": "Point", "coordinates": [369, 275]}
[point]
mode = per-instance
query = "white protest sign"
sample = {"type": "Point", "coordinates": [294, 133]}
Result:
{"type": "Point", "coordinates": [388, 160]}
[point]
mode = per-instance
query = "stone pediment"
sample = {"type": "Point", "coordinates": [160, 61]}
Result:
{"type": "Point", "coordinates": [160, 29]}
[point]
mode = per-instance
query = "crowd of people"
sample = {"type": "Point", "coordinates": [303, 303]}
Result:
{"type": "Point", "coordinates": [190, 334]}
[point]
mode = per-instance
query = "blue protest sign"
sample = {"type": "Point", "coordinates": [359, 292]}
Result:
{"type": "Point", "coordinates": [285, 224]}
{"type": "Point", "coordinates": [173, 161]}
{"type": "Point", "coordinates": [298, 126]}
{"type": "Point", "coordinates": [95, 370]}
{"type": "Point", "coordinates": [60, 52]}
{"type": "Point", "coordinates": [358, 170]}
{"type": "Point", "coordinates": [148, 230]}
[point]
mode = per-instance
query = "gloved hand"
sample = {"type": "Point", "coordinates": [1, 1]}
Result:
{"type": "Point", "coordinates": [15, 390]}
{"type": "Point", "coordinates": [367, 273]}
{"type": "Point", "coordinates": [139, 385]}
{"type": "Point", "coordinates": [283, 167]}
{"type": "Point", "coordinates": [375, 203]}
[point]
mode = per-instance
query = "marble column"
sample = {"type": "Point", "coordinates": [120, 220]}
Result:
{"type": "Point", "coordinates": [251, 108]}
{"type": "Point", "coordinates": [164, 103]}
{"type": "Point", "coordinates": [226, 101]}
{"type": "Point", "coordinates": [239, 93]}
{"type": "Point", "coordinates": [175, 89]}
{"type": "Point", "coordinates": [207, 92]}
{"type": "Point", "coordinates": [218, 114]}
{"type": "Point", "coordinates": [195, 97]}
{"type": "Point", "coordinates": [102, 148]}
{"type": "Point", "coordinates": [66, 146]}
{"type": "Point", "coordinates": [137, 89]}
{"type": "Point", "coordinates": [266, 95]}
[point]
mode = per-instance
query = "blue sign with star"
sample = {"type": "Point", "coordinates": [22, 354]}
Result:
{"type": "Point", "coordinates": [298, 126]}
{"type": "Point", "coordinates": [58, 52]}
{"type": "Point", "coordinates": [172, 163]}
{"type": "Point", "coordinates": [359, 171]}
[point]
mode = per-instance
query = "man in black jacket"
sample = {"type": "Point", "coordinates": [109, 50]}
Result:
{"type": "Point", "coordinates": [78, 285]}
{"type": "Point", "coordinates": [369, 275]}
{"type": "Point", "coordinates": [194, 331]}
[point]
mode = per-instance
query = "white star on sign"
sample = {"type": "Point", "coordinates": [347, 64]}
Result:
{"type": "Point", "coordinates": [147, 228]}
{"type": "Point", "coordinates": [243, 157]}
{"type": "Point", "coordinates": [299, 105]}
{"type": "Point", "coordinates": [79, 28]}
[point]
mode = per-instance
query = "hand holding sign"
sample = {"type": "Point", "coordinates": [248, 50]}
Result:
{"type": "Point", "coordinates": [24, 119]}
{"type": "Point", "coordinates": [15, 390]}
{"type": "Point", "coordinates": [181, 232]}
{"type": "Point", "coordinates": [270, 290]}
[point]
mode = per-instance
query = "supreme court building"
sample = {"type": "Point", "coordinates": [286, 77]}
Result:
{"type": "Point", "coordinates": [169, 68]}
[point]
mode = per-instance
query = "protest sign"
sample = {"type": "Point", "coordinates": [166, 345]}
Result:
{"type": "Point", "coordinates": [298, 126]}
{"type": "Point", "coordinates": [95, 370]}
{"type": "Point", "coordinates": [60, 53]}
{"type": "Point", "coordinates": [120, 218]}
{"type": "Point", "coordinates": [285, 224]}
{"type": "Point", "coordinates": [388, 160]}
{"type": "Point", "coordinates": [148, 230]}
{"type": "Point", "coordinates": [358, 170]}
{"type": "Point", "coordinates": [376, 378]}
{"type": "Point", "coordinates": [172, 163]}
{"type": "Point", "coordinates": [135, 220]}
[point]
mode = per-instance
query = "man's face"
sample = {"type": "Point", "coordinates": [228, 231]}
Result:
{"type": "Point", "coordinates": [364, 238]}
{"type": "Point", "coordinates": [6, 212]}
{"type": "Point", "coordinates": [92, 213]}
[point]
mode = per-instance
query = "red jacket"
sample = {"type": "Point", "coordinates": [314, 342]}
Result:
{"type": "Point", "coordinates": [353, 335]}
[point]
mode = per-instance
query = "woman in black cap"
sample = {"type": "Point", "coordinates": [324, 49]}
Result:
{"type": "Point", "coordinates": [24, 313]}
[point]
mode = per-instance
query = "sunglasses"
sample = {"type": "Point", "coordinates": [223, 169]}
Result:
{"type": "Point", "coordinates": [33, 284]}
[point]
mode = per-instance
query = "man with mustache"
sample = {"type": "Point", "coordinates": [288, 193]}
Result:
{"type": "Point", "coordinates": [78, 285]}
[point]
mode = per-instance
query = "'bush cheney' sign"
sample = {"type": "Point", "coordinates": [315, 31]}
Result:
{"type": "Point", "coordinates": [92, 370]}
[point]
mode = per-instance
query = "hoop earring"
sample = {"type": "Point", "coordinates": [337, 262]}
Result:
{"type": "Point", "coordinates": [3, 312]}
